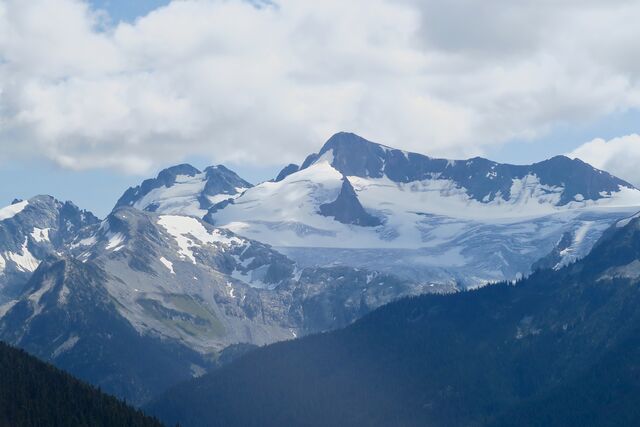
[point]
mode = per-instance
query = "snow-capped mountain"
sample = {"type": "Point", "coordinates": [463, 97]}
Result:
{"type": "Point", "coordinates": [176, 286]}
{"type": "Point", "coordinates": [560, 348]}
{"type": "Point", "coordinates": [30, 230]}
{"type": "Point", "coordinates": [473, 221]}
{"type": "Point", "coordinates": [67, 317]}
{"type": "Point", "coordinates": [192, 262]}
{"type": "Point", "coordinates": [185, 190]}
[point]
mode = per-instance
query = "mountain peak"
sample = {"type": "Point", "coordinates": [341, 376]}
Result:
{"type": "Point", "coordinates": [343, 140]}
{"type": "Point", "coordinates": [184, 189]}
{"type": "Point", "coordinates": [354, 155]}
{"type": "Point", "coordinates": [181, 169]}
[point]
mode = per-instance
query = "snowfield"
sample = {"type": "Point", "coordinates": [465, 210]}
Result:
{"type": "Point", "coordinates": [429, 227]}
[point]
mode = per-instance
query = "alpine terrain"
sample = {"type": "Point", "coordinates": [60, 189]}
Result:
{"type": "Point", "coordinates": [461, 223]}
{"type": "Point", "coordinates": [558, 348]}
{"type": "Point", "coordinates": [192, 268]}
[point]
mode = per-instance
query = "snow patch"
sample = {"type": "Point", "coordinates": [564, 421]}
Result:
{"type": "Point", "coordinates": [626, 221]}
{"type": "Point", "coordinates": [24, 260]}
{"type": "Point", "coordinates": [65, 346]}
{"type": "Point", "coordinates": [4, 309]}
{"type": "Point", "coordinates": [197, 371]}
{"type": "Point", "coordinates": [35, 297]}
{"type": "Point", "coordinates": [167, 264]}
{"type": "Point", "coordinates": [40, 234]}
{"type": "Point", "coordinates": [62, 296]}
{"type": "Point", "coordinates": [115, 242]}
{"type": "Point", "coordinates": [10, 211]}
{"type": "Point", "coordinates": [231, 290]}
{"type": "Point", "coordinates": [188, 232]}
{"type": "Point", "coordinates": [88, 241]}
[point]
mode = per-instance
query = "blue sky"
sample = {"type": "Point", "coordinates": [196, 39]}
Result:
{"type": "Point", "coordinates": [127, 10]}
{"type": "Point", "coordinates": [91, 112]}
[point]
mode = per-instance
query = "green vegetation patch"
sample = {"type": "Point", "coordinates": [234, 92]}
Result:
{"type": "Point", "coordinates": [189, 314]}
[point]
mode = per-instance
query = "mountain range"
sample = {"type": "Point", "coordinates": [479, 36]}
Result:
{"type": "Point", "coordinates": [558, 348]}
{"type": "Point", "coordinates": [192, 263]}
{"type": "Point", "coordinates": [454, 223]}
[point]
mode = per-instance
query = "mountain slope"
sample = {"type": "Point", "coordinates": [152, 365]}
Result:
{"type": "Point", "coordinates": [456, 222]}
{"type": "Point", "coordinates": [36, 394]}
{"type": "Point", "coordinates": [67, 317]}
{"type": "Point", "coordinates": [496, 356]}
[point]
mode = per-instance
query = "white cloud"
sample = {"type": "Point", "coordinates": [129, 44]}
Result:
{"type": "Point", "coordinates": [233, 82]}
{"type": "Point", "coordinates": [619, 156]}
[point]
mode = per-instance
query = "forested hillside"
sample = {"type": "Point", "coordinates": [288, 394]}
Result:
{"type": "Point", "coordinates": [33, 393]}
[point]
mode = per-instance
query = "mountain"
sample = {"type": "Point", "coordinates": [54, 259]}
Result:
{"type": "Point", "coordinates": [482, 180]}
{"type": "Point", "coordinates": [158, 292]}
{"type": "Point", "coordinates": [68, 318]}
{"type": "Point", "coordinates": [34, 393]}
{"type": "Point", "coordinates": [185, 190]}
{"type": "Point", "coordinates": [459, 223]}
{"type": "Point", "coordinates": [30, 230]}
{"type": "Point", "coordinates": [559, 348]}
{"type": "Point", "coordinates": [142, 301]}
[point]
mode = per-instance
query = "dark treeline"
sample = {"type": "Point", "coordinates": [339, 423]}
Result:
{"type": "Point", "coordinates": [34, 393]}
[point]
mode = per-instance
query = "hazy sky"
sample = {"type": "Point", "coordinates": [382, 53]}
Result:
{"type": "Point", "coordinates": [95, 96]}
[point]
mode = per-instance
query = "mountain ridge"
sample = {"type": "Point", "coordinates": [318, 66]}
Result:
{"type": "Point", "coordinates": [196, 190]}
{"type": "Point", "coordinates": [356, 156]}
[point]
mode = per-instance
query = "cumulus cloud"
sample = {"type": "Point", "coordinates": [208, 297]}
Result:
{"type": "Point", "coordinates": [267, 82]}
{"type": "Point", "coordinates": [619, 156]}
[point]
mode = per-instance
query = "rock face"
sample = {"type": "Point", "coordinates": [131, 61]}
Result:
{"type": "Point", "coordinates": [347, 208]}
{"type": "Point", "coordinates": [531, 354]}
{"type": "Point", "coordinates": [286, 171]}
